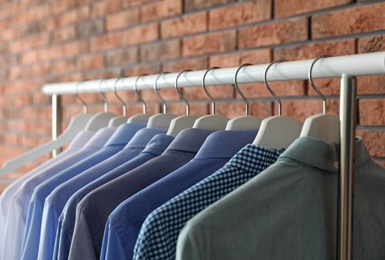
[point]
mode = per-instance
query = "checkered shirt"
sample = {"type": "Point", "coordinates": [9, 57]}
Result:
{"type": "Point", "coordinates": [159, 233]}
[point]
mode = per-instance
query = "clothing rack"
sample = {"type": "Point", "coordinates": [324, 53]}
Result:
{"type": "Point", "coordinates": [346, 67]}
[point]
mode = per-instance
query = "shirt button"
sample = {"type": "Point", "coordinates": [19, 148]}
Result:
{"type": "Point", "coordinates": [335, 164]}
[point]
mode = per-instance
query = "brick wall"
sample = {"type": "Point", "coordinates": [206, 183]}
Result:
{"type": "Point", "coordinates": [59, 41]}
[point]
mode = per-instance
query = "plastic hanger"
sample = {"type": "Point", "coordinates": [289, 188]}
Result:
{"type": "Point", "coordinates": [101, 119]}
{"type": "Point", "coordinates": [246, 122]}
{"type": "Point", "coordinates": [76, 124]}
{"type": "Point", "coordinates": [324, 126]}
{"type": "Point", "coordinates": [213, 121]}
{"type": "Point", "coordinates": [160, 120]}
{"type": "Point", "coordinates": [119, 120]}
{"type": "Point", "coordinates": [141, 118]}
{"type": "Point", "coordinates": [181, 122]}
{"type": "Point", "coordinates": [277, 132]}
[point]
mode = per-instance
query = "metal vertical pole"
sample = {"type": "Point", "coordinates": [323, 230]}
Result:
{"type": "Point", "coordinates": [56, 120]}
{"type": "Point", "coordinates": [348, 112]}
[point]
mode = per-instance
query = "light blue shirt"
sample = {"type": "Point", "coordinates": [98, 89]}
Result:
{"type": "Point", "coordinates": [159, 233]}
{"type": "Point", "coordinates": [35, 210]}
{"type": "Point", "coordinates": [55, 202]}
{"type": "Point", "coordinates": [291, 210]}
{"type": "Point", "coordinates": [94, 209]}
{"type": "Point", "coordinates": [5, 199]}
{"type": "Point", "coordinates": [140, 141]}
{"type": "Point", "coordinates": [124, 223]}
{"type": "Point", "coordinates": [17, 213]}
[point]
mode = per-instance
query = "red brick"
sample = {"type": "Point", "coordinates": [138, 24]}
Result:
{"type": "Point", "coordinates": [209, 43]}
{"type": "Point", "coordinates": [371, 112]}
{"type": "Point", "coordinates": [370, 85]}
{"type": "Point", "coordinates": [217, 92]}
{"type": "Point", "coordinates": [122, 19]}
{"type": "Point", "coordinates": [284, 8]}
{"type": "Point", "coordinates": [63, 34]}
{"type": "Point", "coordinates": [141, 34]}
{"type": "Point", "coordinates": [237, 109]}
{"type": "Point", "coordinates": [236, 59]}
{"type": "Point", "coordinates": [106, 7]}
{"type": "Point", "coordinates": [29, 42]}
{"type": "Point", "coordinates": [91, 61]}
{"type": "Point", "coordinates": [31, 14]}
{"type": "Point", "coordinates": [107, 41]}
{"type": "Point", "coordinates": [29, 57]}
{"type": "Point", "coordinates": [41, 69]}
{"type": "Point", "coordinates": [359, 19]}
{"type": "Point", "coordinates": [192, 5]}
{"type": "Point", "coordinates": [191, 64]}
{"type": "Point", "coordinates": [160, 51]}
{"type": "Point", "coordinates": [371, 44]}
{"type": "Point", "coordinates": [161, 9]}
{"type": "Point", "coordinates": [90, 28]}
{"type": "Point", "coordinates": [122, 56]}
{"type": "Point", "coordinates": [375, 142]}
{"type": "Point", "coordinates": [185, 25]}
{"type": "Point", "coordinates": [73, 48]}
{"type": "Point", "coordinates": [71, 17]}
{"type": "Point", "coordinates": [142, 69]}
{"type": "Point", "coordinates": [242, 13]}
{"type": "Point", "coordinates": [274, 33]}
{"type": "Point", "coordinates": [61, 6]}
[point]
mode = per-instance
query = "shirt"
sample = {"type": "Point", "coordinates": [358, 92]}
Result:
{"type": "Point", "coordinates": [35, 210]}
{"type": "Point", "coordinates": [94, 209]}
{"type": "Point", "coordinates": [124, 223]}
{"type": "Point", "coordinates": [17, 212]}
{"type": "Point", "coordinates": [159, 233]}
{"type": "Point", "coordinates": [291, 210]}
{"type": "Point", "coordinates": [55, 202]}
{"type": "Point", "coordinates": [77, 143]}
{"type": "Point", "coordinates": [154, 148]}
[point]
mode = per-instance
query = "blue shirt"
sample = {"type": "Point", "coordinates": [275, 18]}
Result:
{"type": "Point", "coordinates": [17, 213]}
{"type": "Point", "coordinates": [124, 223]}
{"type": "Point", "coordinates": [77, 143]}
{"type": "Point", "coordinates": [291, 210]}
{"type": "Point", "coordinates": [35, 210]}
{"type": "Point", "coordinates": [94, 209]}
{"type": "Point", "coordinates": [55, 202]}
{"type": "Point", "coordinates": [154, 148]}
{"type": "Point", "coordinates": [159, 233]}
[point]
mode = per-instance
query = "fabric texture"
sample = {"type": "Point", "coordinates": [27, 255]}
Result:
{"type": "Point", "coordinates": [34, 218]}
{"type": "Point", "coordinates": [159, 232]}
{"type": "Point", "coordinates": [66, 224]}
{"type": "Point", "coordinates": [94, 209]}
{"type": "Point", "coordinates": [125, 221]}
{"type": "Point", "coordinates": [291, 210]}
{"type": "Point", "coordinates": [55, 202]}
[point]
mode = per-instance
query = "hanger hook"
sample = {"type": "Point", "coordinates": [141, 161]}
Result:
{"type": "Point", "coordinates": [76, 92]}
{"type": "Point", "coordinates": [310, 77]}
{"type": "Point", "coordinates": [118, 97]}
{"type": "Point", "coordinates": [207, 93]}
{"type": "Point", "coordinates": [180, 93]}
{"type": "Point", "coordinates": [157, 91]}
{"type": "Point", "coordinates": [138, 95]}
{"type": "Point", "coordinates": [105, 104]}
{"type": "Point", "coordinates": [238, 89]}
{"type": "Point", "coordinates": [269, 88]}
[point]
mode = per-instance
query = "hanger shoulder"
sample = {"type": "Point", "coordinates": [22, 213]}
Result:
{"type": "Point", "coordinates": [76, 124]}
{"type": "Point", "coordinates": [118, 120]}
{"type": "Point", "coordinates": [141, 118]}
{"type": "Point", "coordinates": [244, 123]}
{"type": "Point", "coordinates": [323, 126]}
{"type": "Point", "coordinates": [99, 120]}
{"type": "Point", "coordinates": [160, 120]}
{"type": "Point", "coordinates": [179, 123]}
{"type": "Point", "coordinates": [211, 122]}
{"type": "Point", "coordinates": [277, 132]}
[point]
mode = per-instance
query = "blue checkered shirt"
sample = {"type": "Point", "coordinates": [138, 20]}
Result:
{"type": "Point", "coordinates": [159, 233]}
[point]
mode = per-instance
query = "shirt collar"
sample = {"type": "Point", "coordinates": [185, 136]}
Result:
{"type": "Point", "coordinates": [189, 140]}
{"type": "Point", "coordinates": [143, 136]}
{"type": "Point", "coordinates": [158, 144]}
{"type": "Point", "coordinates": [100, 137]}
{"type": "Point", "coordinates": [321, 154]}
{"type": "Point", "coordinates": [124, 133]}
{"type": "Point", "coordinates": [81, 138]}
{"type": "Point", "coordinates": [224, 144]}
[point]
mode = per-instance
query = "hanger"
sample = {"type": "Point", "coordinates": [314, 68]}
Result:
{"type": "Point", "coordinates": [119, 120]}
{"type": "Point", "coordinates": [213, 121]}
{"type": "Point", "coordinates": [324, 126]}
{"type": "Point", "coordinates": [141, 118]}
{"type": "Point", "coordinates": [160, 120]}
{"type": "Point", "coordinates": [181, 122]}
{"type": "Point", "coordinates": [101, 119]}
{"type": "Point", "coordinates": [76, 124]}
{"type": "Point", "coordinates": [277, 132]}
{"type": "Point", "coordinates": [246, 122]}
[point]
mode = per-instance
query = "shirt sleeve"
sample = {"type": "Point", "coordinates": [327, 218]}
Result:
{"type": "Point", "coordinates": [111, 248]}
{"type": "Point", "coordinates": [187, 245]}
